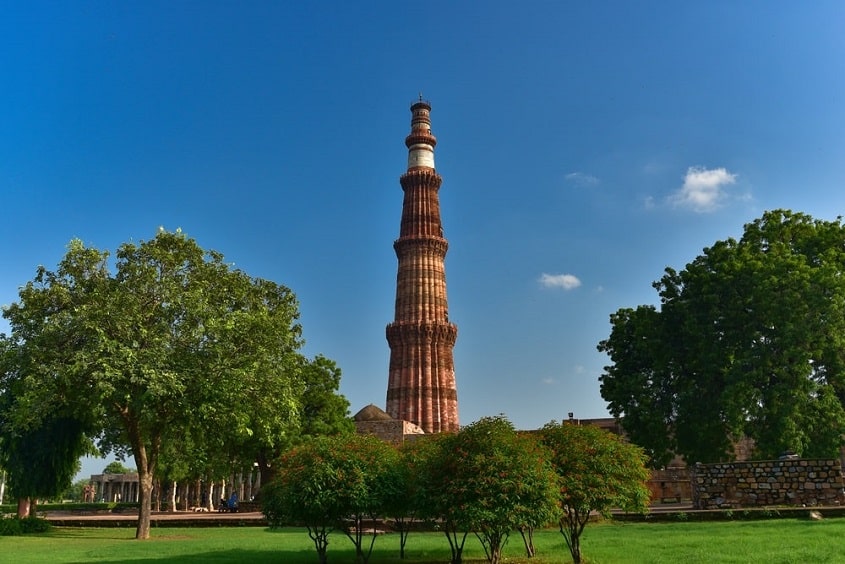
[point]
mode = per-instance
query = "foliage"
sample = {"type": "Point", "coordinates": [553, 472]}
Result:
{"type": "Point", "coordinates": [748, 342]}
{"type": "Point", "coordinates": [15, 526]}
{"type": "Point", "coordinates": [327, 481]}
{"type": "Point", "coordinates": [117, 467]}
{"type": "Point", "coordinates": [170, 341]}
{"type": "Point", "coordinates": [489, 479]}
{"type": "Point", "coordinates": [597, 471]}
{"type": "Point", "coordinates": [76, 491]}
{"type": "Point", "coordinates": [41, 461]}
{"type": "Point", "coordinates": [323, 412]}
{"type": "Point", "coordinates": [407, 472]}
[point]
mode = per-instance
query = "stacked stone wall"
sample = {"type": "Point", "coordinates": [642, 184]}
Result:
{"type": "Point", "coordinates": [670, 485]}
{"type": "Point", "coordinates": [769, 482]}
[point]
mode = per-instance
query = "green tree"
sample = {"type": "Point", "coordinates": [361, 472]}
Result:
{"type": "Point", "coordinates": [748, 342]}
{"type": "Point", "coordinates": [41, 462]}
{"type": "Point", "coordinates": [76, 491]}
{"type": "Point", "coordinates": [597, 471]}
{"type": "Point", "coordinates": [169, 338]}
{"type": "Point", "coordinates": [323, 412]}
{"type": "Point", "coordinates": [117, 467]}
{"type": "Point", "coordinates": [407, 473]}
{"type": "Point", "coordinates": [489, 479]}
{"type": "Point", "coordinates": [327, 482]}
{"type": "Point", "coordinates": [40, 459]}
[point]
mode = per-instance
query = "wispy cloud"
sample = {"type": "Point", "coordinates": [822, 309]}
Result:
{"type": "Point", "coordinates": [703, 189]}
{"type": "Point", "coordinates": [581, 179]}
{"type": "Point", "coordinates": [565, 281]}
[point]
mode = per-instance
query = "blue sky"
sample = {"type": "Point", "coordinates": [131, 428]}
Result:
{"type": "Point", "coordinates": [584, 147]}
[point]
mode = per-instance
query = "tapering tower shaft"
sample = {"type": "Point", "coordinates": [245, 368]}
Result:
{"type": "Point", "coordinates": [421, 386]}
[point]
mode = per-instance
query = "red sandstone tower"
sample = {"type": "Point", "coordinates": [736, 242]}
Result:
{"type": "Point", "coordinates": [421, 386]}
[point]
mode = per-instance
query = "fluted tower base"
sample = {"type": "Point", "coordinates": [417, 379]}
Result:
{"type": "Point", "coordinates": [422, 387]}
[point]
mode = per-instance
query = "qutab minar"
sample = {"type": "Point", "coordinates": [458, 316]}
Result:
{"type": "Point", "coordinates": [421, 386]}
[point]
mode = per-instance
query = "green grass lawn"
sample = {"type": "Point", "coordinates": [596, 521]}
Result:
{"type": "Point", "coordinates": [769, 542]}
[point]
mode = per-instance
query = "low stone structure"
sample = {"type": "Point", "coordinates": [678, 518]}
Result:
{"type": "Point", "coordinates": [373, 420]}
{"type": "Point", "coordinates": [799, 482]}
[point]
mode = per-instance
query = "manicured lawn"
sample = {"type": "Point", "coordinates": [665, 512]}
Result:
{"type": "Point", "coordinates": [769, 542]}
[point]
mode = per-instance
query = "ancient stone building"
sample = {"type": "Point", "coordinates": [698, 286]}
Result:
{"type": "Point", "coordinates": [421, 385]}
{"type": "Point", "coordinates": [373, 421]}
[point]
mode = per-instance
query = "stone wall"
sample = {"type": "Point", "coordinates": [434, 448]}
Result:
{"type": "Point", "coordinates": [391, 431]}
{"type": "Point", "coordinates": [769, 482]}
{"type": "Point", "coordinates": [670, 485]}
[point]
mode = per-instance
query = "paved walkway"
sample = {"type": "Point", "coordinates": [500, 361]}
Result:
{"type": "Point", "coordinates": [179, 518]}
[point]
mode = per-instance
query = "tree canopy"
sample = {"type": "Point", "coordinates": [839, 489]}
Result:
{"type": "Point", "coordinates": [168, 343]}
{"type": "Point", "coordinates": [334, 482]}
{"type": "Point", "coordinates": [117, 467]}
{"type": "Point", "coordinates": [747, 342]}
{"type": "Point", "coordinates": [489, 479]}
{"type": "Point", "coordinates": [597, 471]}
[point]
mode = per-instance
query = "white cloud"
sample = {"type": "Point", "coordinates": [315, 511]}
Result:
{"type": "Point", "coordinates": [565, 281]}
{"type": "Point", "coordinates": [581, 179]}
{"type": "Point", "coordinates": [703, 189]}
{"type": "Point", "coordinates": [549, 381]}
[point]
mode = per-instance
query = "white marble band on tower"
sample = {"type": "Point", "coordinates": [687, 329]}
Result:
{"type": "Point", "coordinates": [421, 155]}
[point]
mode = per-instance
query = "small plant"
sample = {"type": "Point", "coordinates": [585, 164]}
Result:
{"type": "Point", "coordinates": [682, 516]}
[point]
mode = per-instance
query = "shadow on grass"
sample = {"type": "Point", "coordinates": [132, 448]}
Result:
{"type": "Point", "coordinates": [224, 556]}
{"type": "Point", "coordinates": [258, 557]}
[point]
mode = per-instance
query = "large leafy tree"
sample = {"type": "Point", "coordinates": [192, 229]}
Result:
{"type": "Point", "coordinates": [597, 471]}
{"type": "Point", "coordinates": [170, 338]}
{"type": "Point", "coordinates": [748, 342]}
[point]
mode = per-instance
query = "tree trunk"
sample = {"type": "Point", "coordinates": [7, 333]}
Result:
{"type": "Point", "coordinates": [210, 502]}
{"type": "Point", "coordinates": [157, 490]}
{"type": "Point", "coordinates": [527, 533]}
{"type": "Point", "coordinates": [23, 507]}
{"type": "Point", "coordinates": [146, 468]}
{"type": "Point", "coordinates": [575, 550]}
{"type": "Point", "coordinates": [145, 487]}
{"type": "Point", "coordinates": [171, 502]}
{"type": "Point", "coordinates": [265, 471]}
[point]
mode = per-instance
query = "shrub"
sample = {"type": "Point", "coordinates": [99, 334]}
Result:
{"type": "Point", "coordinates": [13, 526]}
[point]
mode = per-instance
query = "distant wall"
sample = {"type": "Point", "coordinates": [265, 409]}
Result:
{"type": "Point", "coordinates": [767, 482]}
{"type": "Point", "coordinates": [392, 431]}
{"type": "Point", "coordinates": [670, 485]}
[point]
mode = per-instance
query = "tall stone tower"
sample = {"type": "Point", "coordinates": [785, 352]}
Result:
{"type": "Point", "coordinates": [421, 386]}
